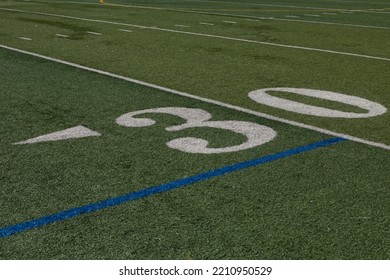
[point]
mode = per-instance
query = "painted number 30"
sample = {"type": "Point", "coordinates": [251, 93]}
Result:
{"type": "Point", "coordinates": [256, 134]}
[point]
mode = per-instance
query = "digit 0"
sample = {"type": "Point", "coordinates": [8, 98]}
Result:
{"type": "Point", "coordinates": [373, 109]}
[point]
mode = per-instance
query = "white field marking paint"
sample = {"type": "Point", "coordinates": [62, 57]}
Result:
{"type": "Point", "coordinates": [272, 44]}
{"type": "Point", "coordinates": [256, 134]}
{"type": "Point", "coordinates": [181, 25]}
{"type": "Point", "coordinates": [257, 4]}
{"type": "Point", "coordinates": [25, 38]}
{"type": "Point", "coordinates": [273, 5]}
{"type": "Point", "coordinates": [310, 15]}
{"type": "Point", "coordinates": [373, 109]}
{"type": "Point", "coordinates": [292, 16]}
{"type": "Point", "coordinates": [206, 23]}
{"type": "Point", "coordinates": [328, 23]}
{"type": "Point", "coordinates": [228, 21]}
{"type": "Point", "coordinates": [213, 36]}
{"type": "Point", "coordinates": [94, 33]}
{"type": "Point", "coordinates": [125, 30]}
{"type": "Point", "coordinates": [70, 133]}
{"type": "Point", "coordinates": [333, 14]}
{"type": "Point", "coordinates": [203, 13]}
{"type": "Point", "coordinates": [62, 35]}
{"type": "Point", "coordinates": [207, 100]}
{"type": "Point", "coordinates": [355, 2]}
{"type": "Point", "coordinates": [239, 3]}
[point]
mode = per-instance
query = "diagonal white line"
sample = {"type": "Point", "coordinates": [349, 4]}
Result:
{"type": "Point", "coordinates": [234, 15]}
{"type": "Point", "coordinates": [125, 30]}
{"type": "Point", "coordinates": [94, 33]}
{"type": "Point", "coordinates": [205, 35]}
{"type": "Point", "coordinates": [207, 100]}
{"type": "Point", "coordinates": [274, 44]}
{"type": "Point", "coordinates": [328, 23]}
{"type": "Point", "coordinates": [62, 35]}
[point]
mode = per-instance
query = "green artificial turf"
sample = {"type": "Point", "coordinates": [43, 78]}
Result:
{"type": "Point", "coordinates": [216, 68]}
{"type": "Point", "coordinates": [331, 203]}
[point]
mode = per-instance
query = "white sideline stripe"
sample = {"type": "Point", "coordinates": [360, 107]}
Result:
{"type": "Point", "coordinates": [355, 2]}
{"type": "Point", "coordinates": [62, 35]}
{"type": "Point", "coordinates": [207, 100]}
{"type": "Point", "coordinates": [228, 21]}
{"type": "Point", "coordinates": [258, 4]}
{"type": "Point", "coordinates": [94, 33]}
{"type": "Point", "coordinates": [255, 4]}
{"type": "Point", "coordinates": [224, 14]}
{"type": "Point", "coordinates": [208, 35]}
{"type": "Point", "coordinates": [25, 38]}
{"type": "Point", "coordinates": [192, 11]}
{"type": "Point", "coordinates": [206, 23]}
{"type": "Point", "coordinates": [273, 5]}
{"type": "Point", "coordinates": [328, 23]}
{"type": "Point", "coordinates": [309, 15]}
{"type": "Point", "coordinates": [273, 44]}
{"type": "Point", "coordinates": [180, 25]}
{"type": "Point", "coordinates": [125, 30]}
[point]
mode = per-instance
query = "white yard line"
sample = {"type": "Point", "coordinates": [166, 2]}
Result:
{"type": "Point", "coordinates": [226, 2]}
{"type": "Point", "coordinates": [190, 11]}
{"type": "Point", "coordinates": [211, 35]}
{"type": "Point", "coordinates": [207, 100]}
{"type": "Point", "coordinates": [62, 35]}
{"type": "Point", "coordinates": [25, 38]}
{"type": "Point", "coordinates": [328, 23]}
{"type": "Point", "coordinates": [258, 4]}
{"type": "Point", "coordinates": [233, 15]}
{"type": "Point", "coordinates": [206, 23]}
{"type": "Point", "coordinates": [275, 5]}
{"type": "Point", "coordinates": [94, 33]}
{"type": "Point", "coordinates": [228, 21]}
{"type": "Point", "coordinates": [273, 44]}
{"type": "Point", "coordinates": [181, 25]}
{"type": "Point", "coordinates": [365, 2]}
{"type": "Point", "coordinates": [310, 15]}
{"type": "Point", "coordinates": [125, 30]}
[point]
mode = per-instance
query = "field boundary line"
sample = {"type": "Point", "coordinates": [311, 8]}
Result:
{"type": "Point", "coordinates": [243, 16]}
{"type": "Point", "coordinates": [326, 23]}
{"type": "Point", "coordinates": [204, 35]}
{"type": "Point", "coordinates": [233, 3]}
{"type": "Point", "coordinates": [162, 188]}
{"type": "Point", "coordinates": [218, 14]}
{"type": "Point", "coordinates": [274, 5]}
{"type": "Point", "coordinates": [207, 100]}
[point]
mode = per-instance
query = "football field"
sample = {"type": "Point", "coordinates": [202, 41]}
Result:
{"type": "Point", "coordinates": [185, 129]}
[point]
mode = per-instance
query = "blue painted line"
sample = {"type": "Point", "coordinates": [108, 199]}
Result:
{"type": "Point", "coordinates": [89, 208]}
